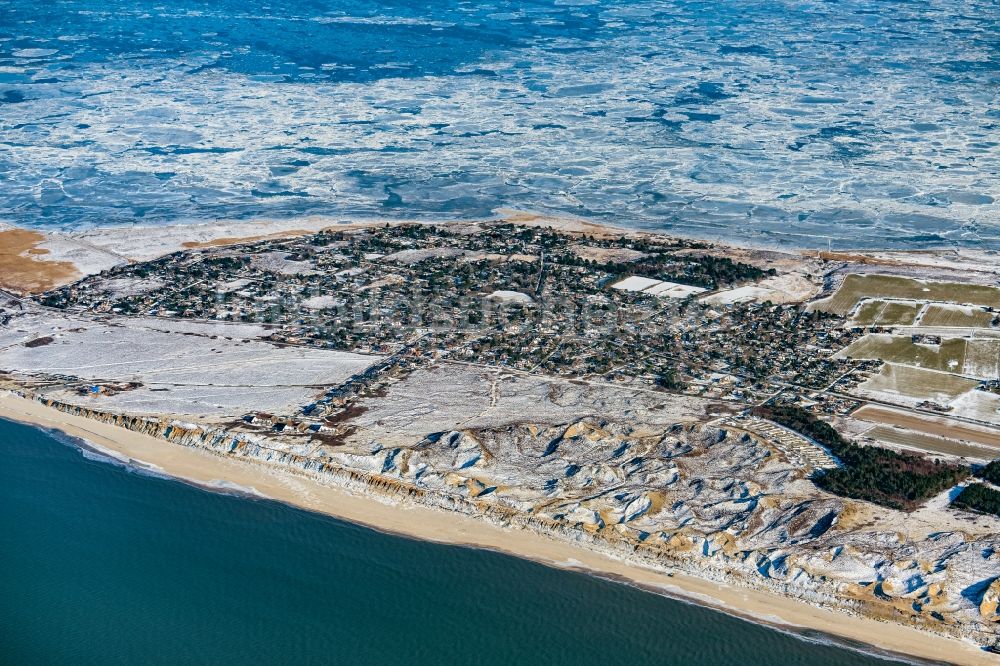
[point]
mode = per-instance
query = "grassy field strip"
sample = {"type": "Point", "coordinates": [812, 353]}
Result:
{"type": "Point", "coordinates": [981, 406]}
{"type": "Point", "coordinates": [930, 443]}
{"type": "Point", "coordinates": [869, 312]}
{"type": "Point", "coordinates": [949, 331]}
{"type": "Point", "coordinates": [937, 426]}
{"type": "Point", "coordinates": [982, 359]}
{"type": "Point", "coordinates": [924, 316]}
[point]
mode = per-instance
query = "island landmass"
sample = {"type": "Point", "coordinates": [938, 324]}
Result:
{"type": "Point", "coordinates": [801, 438]}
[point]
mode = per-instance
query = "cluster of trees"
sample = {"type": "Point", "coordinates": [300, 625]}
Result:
{"type": "Point", "coordinates": [711, 272]}
{"type": "Point", "coordinates": [705, 271]}
{"type": "Point", "coordinates": [991, 472]}
{"type": "Point", "coordinates": [979, 498]}
{"type": "Point", "coordinates": [670, 380]}
{"type": "Point", "coordinates": [802, 421]}
{"type": "Point", "coordinates": [55, 299]}
{"type": "Point", "coordinates": [897, 480]}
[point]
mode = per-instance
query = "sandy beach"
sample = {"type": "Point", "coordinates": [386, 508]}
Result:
{"type": "Point", "coordinates": [205, 469]}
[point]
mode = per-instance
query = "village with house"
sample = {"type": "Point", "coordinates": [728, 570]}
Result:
{"type": "Point", "coordinates": [642, 311]}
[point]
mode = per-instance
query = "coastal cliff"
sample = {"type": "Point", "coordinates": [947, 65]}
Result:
{"type": "Point", "coordinates": [717, 503]}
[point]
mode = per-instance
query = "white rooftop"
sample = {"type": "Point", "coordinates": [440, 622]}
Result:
{"type": "Point", "coordinates": [635, 283]}
{"type": "Point", "coordinates": [673, 290]}
{"type": "Point", "coordinates": [511, 296]}
{"type": "Point", "coordinates": [659, 288]}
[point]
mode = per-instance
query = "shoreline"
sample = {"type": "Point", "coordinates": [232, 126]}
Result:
{"type": "Point", "coordinates": [219, 474]}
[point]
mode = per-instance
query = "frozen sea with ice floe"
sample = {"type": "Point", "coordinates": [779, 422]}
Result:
{"type": "Point", "coordinates": [804, 123]}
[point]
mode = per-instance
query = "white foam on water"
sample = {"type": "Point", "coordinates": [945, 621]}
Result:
{"type": "Point", "coordinates": [102, 454]}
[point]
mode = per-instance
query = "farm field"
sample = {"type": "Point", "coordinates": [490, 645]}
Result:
{"type": "Point", "coordinates": [930, 443]}
{"type": "Point", "coordinates": [857, 287]}
{"type": "Point", "coordinates": [982, 358]}
{"type": "Point", "coordinates": [979, 405]}
{"type": "Point", "coordinates": [938, 314]}
{"type": "Point", "coordinates": [887, 313]}
{"type": "Point", "coordinates": [949, 356]}
{"type": "Point", "coordinates": [938, 426]}
{"type": "Point", "coordinates": [979, 358]}
{"type": "Point", "coordinates": [918, 383]}
{"type": "Point", "coordinates": [949, 331]}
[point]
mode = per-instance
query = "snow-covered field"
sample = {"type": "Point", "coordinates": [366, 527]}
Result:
{"type": "Point", "coordinates": [738, 295]}
{"type": "Point", "coordinates": [453, 396]}
{"type": "Point", "coordinates": [194, 368]}
{"type": "Point", "coordinates": [908, 385]}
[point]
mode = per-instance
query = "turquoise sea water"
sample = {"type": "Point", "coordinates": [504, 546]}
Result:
{"type": "Point", "coordinates": [103, 565]}
{"type": "Point", "coordinates": [802, 122]}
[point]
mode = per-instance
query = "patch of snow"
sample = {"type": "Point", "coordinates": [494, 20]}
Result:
{"type": "Point", "coordinates": [738, 295]}
{"type": "Point", "coordinates": [321, 302]}
{"type": "Point", "coordinates": [416, 256]}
